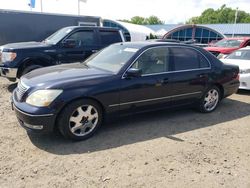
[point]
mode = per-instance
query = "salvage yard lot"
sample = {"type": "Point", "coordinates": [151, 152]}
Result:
{"type": "Point", "coordinates": [180, 148]}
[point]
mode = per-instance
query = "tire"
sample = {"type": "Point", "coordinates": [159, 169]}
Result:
{"type": "Point", "coordinates": [30, 68]}
{"type": "Point", "coordinates": [210, 100]}
{"type": "Point", "coordinates": [74, 121]}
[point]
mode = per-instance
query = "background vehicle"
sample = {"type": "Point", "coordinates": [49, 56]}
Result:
{"type": "Point", "coordinates": [69, 44]}
{"type": "Point", "coordinates": [226, 46]}
{"type": "Point", "coordinates": [122, 79]}
{"type": "Point", "coordinates": [241, 58]}
{"type": "Point", "coordinates": [20, 26]}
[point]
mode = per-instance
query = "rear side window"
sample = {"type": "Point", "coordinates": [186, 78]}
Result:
{"type": "Point", "coordinates": [187, 59]}
{"type": "Point", "coordinates": [109, 37]}
{"type": "Point", "coordinates": [247, 43]}
{"type": "Point", "coordinates": [83, 38]}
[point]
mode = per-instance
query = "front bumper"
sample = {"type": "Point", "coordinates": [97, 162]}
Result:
{"type": "Point", "coordinates": [8, 72]}
{"type": "Point", "coordinates": [36, 123]}
{"type": "Point", "coordinates": [244, 81]}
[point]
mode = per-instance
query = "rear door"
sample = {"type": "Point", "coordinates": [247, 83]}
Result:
{"type": "Point", "coordinates": [108, 37]}
{"type": "Point", "coordinates": [190, 74]}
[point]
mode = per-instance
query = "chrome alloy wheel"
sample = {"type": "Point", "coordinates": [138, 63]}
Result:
{"type": "Point", "coordinates": [83, 120]}
{"type": "Point", "coordinates": [211, 100]}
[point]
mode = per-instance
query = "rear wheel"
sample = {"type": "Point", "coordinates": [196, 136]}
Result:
{"type": "Point", "coordinates": [80, 119]}
{"type": "Point", "coordinates": [210, 100]}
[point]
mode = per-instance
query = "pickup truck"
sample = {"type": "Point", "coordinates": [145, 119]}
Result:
{"type": "Point", "coordinates": [67, 45]}
{"type": "Point", "coordinates": [226, 46]}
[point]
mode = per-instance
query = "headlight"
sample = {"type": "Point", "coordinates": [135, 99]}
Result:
{"type": "Point", "coordinates": [8, 56]}
{"type": "Point", "coordinates": [244, 71]}
{"type": "Point", "coordinates": [43, 98]}
{"type": "Point", "coordinates": [221, 56]}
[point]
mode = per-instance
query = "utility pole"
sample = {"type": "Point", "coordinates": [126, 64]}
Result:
{"type": "Point", "coordinates": [41, 5]}
{"type": "Point", "coordinates": [235, 21]}
{"type": "Point", "coordinates": [78, 7]}
{"type": "Point", "coordinates": [79, 10]}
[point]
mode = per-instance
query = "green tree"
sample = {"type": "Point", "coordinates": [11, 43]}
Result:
{"type": "Point", "coordinates": [152, 20]}
{"type": "Point", "coordinates": [138, 20]}
{"type": "Point", "coordinates": [222, 15]}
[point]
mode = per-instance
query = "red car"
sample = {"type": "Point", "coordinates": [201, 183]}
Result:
{"type": "Point", "coordinates": [226, 46]}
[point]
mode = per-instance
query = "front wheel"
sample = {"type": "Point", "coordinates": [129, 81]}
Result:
{"type": "Point", "coordinates": [30, 68]}
{"type": "Point", "coordinates": [210, 100]}
{"type": "Point", "coordinates": [80, 119]}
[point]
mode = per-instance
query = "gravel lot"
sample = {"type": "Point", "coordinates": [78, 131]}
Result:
{"type": "Point", "coordinates": [180, 148]}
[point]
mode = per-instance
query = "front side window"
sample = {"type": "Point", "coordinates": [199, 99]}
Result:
{"type": "Point", "coordinates": [83, 38]}
{"type": "Point", "coordinates": [154, 60]}
{"type": "Point", "coordinates": [187, 59]}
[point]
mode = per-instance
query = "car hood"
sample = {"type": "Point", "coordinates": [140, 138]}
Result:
{"type": "Point", "coordinates": [221, 49]}
{"type": "Point", "coordinates": [25, 45]}
{"type": "Point", "coordinates": [65, 76]}
{"type": "Point", "coordinates": [243, 64]}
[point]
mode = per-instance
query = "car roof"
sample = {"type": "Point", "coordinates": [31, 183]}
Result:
{"type": "Point", "coordinates": [245, 48]}
{"type": "Point", "coordinates": [237, 38]}
{"type": "Point", "coordinates": [147, 44]}
{"type": "Point", "coordinates": [91, 27]}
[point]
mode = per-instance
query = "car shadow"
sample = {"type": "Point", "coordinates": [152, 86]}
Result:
{"type": "Point", "coordinates": [11, 87]}
{"type": "Point", "coordinates": [243, 92]}
{"type": "Point", "coordinates": [143, 127]}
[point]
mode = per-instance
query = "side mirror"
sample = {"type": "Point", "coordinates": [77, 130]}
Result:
{"type": "Point", "coordinates": [69, 43]}
{"type": "Point", "coordinates": [132, 72]}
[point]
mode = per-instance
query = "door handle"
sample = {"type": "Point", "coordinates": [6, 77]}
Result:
{"type": "Point", "coordinates": [94, 51]}
{"type": "Point", "coordinates": [164, 81]}
{"type": "Point", "coordinates": [202, 75]}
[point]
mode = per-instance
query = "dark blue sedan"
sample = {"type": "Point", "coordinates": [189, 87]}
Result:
{"type": "Point", "coordinates": [121, 79]}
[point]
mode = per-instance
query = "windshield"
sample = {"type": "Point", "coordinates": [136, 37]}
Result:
{"type": "Point", "coordinates": [58, 35]}
{"type": "Point", "coordinates": [112, 58]}
{"type": "Point", "coordinates": [228, 43]}
{"type": "Point", "coordinates": [240, 54]}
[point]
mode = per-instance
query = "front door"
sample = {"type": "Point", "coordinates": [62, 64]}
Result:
{"type": "Point", "coordinates": [86, 45]}
{"type": "Point", "coordinates": [148, 91]}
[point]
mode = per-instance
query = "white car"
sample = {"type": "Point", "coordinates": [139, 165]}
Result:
{"type": "Point", "coordinates": [241, 58]}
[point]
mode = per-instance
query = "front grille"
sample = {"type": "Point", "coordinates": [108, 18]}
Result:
{"type": "Point", "coordinates": [20, 90]}
{"type": "Point", "coordinates": [215, 53]}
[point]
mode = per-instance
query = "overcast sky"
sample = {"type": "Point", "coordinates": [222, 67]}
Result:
{"type": "Point", "coordinates": [170, 11]}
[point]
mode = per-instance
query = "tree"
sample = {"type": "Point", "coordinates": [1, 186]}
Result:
{"type": "Point", "coordinates": [152, 20]}
{"type": "Point", "coordinates": [222, 15]}
{"type": "Point", "coordinates": [138, 20]}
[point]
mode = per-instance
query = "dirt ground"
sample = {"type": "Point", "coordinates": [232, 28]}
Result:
{"type": "Point", "coordinates": [180, 148]}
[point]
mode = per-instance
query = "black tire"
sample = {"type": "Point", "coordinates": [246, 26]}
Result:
{"type": "Point", "coordinates": [71, 116]}
{"type": "Point", "coordinates": [206, 104]}
{"type": "Point", "coordinates": [30, 68]}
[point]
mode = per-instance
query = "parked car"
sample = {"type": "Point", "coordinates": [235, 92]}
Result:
{"type": "Point", "coordinates": [122, 79]}
{"type": "Point", "coordinates": [241, 58]}
{"type": "Point", "coordinates": [70, 44]}
{"type": "Point", "coordinates": [226, 46]}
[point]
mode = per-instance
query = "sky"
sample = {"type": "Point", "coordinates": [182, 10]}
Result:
{"type": "Point", "coordinates": [169, 11]}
